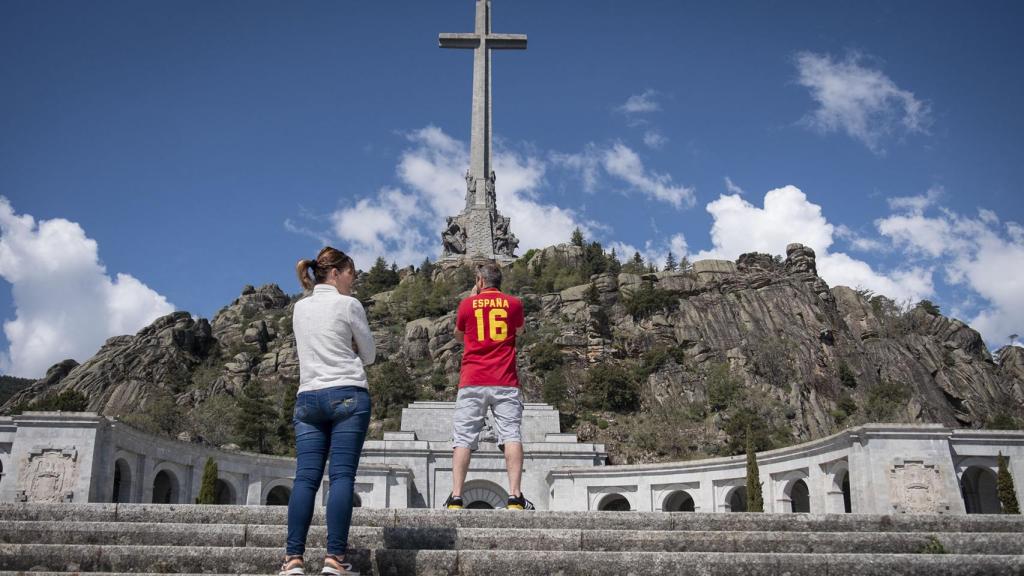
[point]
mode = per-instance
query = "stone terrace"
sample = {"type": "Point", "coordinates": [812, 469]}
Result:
{"type": "Point", "coordinates": [140, 538]}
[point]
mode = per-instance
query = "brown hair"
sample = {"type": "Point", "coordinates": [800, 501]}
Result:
{"type": "Point", "coordinates": [327, 258]}
{"type": "Point", "coordinates": [491, 275]}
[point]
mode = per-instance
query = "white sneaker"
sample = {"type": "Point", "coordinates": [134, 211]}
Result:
{"type": "Point", "coordinates": [333, 566]}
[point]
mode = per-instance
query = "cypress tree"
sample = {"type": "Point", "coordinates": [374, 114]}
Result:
{"type": "Point", "coordinates": [208, 489]}
{"type": "Point", "coordinates": [1004, 487]}
{"type": "Point", "coordinates": [755, 500]}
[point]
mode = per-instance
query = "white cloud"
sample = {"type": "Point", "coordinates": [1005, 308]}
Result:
{"type": "Point", "coordinates": [859, 242]}
{"type": "Point", "coordinates": [66, 303]}
{"type": "Point", "coordinates": [916, 204]}
{"type": "Point", "coordinates": [404, 225]}
{"type": "Point", "coordinates": [863, 102]}
{"type": "Point", "coordinates": [622, 162]}
{"type": "Point", "coordinates": [977, 253]}
{"type": "Point", "coordinates": [587, 164]}
{"type": "Point", "coordinates": [654, 139]}
{"type": "Point", "coordinates": [732, 188]}
{"type": "Point", "coordinates": [643, 103]}
{"type": "Point", "coordinates": [787, 217]}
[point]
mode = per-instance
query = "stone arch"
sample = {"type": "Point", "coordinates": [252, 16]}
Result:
{"type": "Point", "coordinates": [277, 493]}
{"type": "Point", "coordinates": [224, 492]}
{"type": "Point", "coordinates": [736, 499]}
{"type": "Point", "coordinates": [122, 489]}
{"type": "Point", "coordinates": [799, 497]}
{"type": "Point", "coordinates": [166, 487]}
{"type": "Point", "coordinates": [678, 501]}
{"type": "Point", "coordinates": [978, 485]}
{"type": "Point", "coordinates": [357, 502]}
{"type": "Point", "coordinates": [614, 502]}
{"type": "Point", "coordinates": [483, 495]}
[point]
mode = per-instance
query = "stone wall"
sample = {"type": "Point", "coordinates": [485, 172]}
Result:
{"type": "Point", "coordinates": [876, 468]}
{"type": "Point", "coordinates": [889, 468]}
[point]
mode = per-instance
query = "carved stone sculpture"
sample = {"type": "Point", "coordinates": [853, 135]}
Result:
{"type": "Point", "coordinates": [454, 237]}
{"type": "Point", "coordinates": [48, 475]}
{"type": "Point", "coordinates": [916, 488]}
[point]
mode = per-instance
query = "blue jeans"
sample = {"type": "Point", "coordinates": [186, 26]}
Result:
{"type": "Point", "coordinates": [328, 422]}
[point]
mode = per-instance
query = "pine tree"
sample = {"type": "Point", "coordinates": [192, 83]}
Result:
{"type": "Point", "coordinates": [256, 418]}
{"type": "Point", "coordinates": [427, 269]}
{"type": "Point", "coordinates": [755, 500]}
{"type": "Point", "coordinates": [670, 262]}
{"type": "Point", "coordinates": [1004, 487]}
{"type": "Point", "coordinates": [379, 278]}
{"type": "Point", "coordinates": [635, 265]}
{"type": "Point", "coordinates": [577, 237]}
{"type": "Point", "coordinates": [208, 489]}
{"type": "Point", "coordinates": [614, 266]}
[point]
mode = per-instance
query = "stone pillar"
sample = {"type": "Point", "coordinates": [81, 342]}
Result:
{"type": "Point", "coordinates": [817, 488]}
{"type": "Point", "coordinates": [146, 477]}
{"type": "Point", "coordinates": [254, 490]}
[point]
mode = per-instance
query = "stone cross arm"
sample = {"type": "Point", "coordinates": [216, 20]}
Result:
{"type": "Point", "coordinates": [494, 41]}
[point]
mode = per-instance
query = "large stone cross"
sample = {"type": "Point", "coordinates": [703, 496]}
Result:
{"type": "Point", "coordinates": [482, 41]}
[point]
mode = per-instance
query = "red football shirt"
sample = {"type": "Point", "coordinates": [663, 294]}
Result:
{"type": "Point", "coordinates": [490, 320]}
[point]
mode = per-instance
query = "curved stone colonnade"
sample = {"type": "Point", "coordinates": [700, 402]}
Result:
{"type": "Point", "coordinates": [82, 457]}
{"type": "Point", "coordinates": [876, 468]}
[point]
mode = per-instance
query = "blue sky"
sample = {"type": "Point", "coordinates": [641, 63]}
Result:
{"type": "Point", "coordinates": [161, 155]}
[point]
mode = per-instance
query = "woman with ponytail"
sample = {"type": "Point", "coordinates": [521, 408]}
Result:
{"type": "Point", "coordinates": [332, 410]}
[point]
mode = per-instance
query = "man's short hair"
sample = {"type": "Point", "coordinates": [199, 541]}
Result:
{"type": "Point", "coordinates": [491, 275]}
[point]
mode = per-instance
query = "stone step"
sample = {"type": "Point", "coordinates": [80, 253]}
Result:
{"type": "Point", "coordinates": [689, 521]}
{"type": "Point", "coordinates": [36, 558]}
{"type": "Point", "coordinates": [431, 538]}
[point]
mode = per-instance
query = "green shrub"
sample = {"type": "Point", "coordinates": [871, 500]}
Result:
{"type": "Point", "coordinates": [546, 356]}
{"type": "Point", "coordinates": [722, 388]}
{"type": "Point", "coordinates": [1001, 420]}
{"type": "Point", "coordinates": [555, 389]}
{"type": "Point", "coordinates": [159, 414]}
{"type": "Point", "coordinates": [934, 546]}
{"type": "Point", "coordinates": [885, 400]}
{"type": "Point", "coordinates": [392, 388]}
{"type": "Point", "coordinates": [66, 401]}
{"type": "Point", "coordinates": [929, 307]}
{"type": "Point", "coordinates": [611, 387]}
{"type": "Point", "coordinates": [648, 300]}
{"type": "Point", "coordinates": [846, 376]}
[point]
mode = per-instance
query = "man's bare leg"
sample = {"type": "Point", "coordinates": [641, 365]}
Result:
{"type": "Point", "coordinates": [460, 465]}
{"type": "Point", "coordinates": [514, 462]}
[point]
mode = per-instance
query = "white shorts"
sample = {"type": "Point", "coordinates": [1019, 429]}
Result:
{"type": "Point", "coordinates": [471, 406]}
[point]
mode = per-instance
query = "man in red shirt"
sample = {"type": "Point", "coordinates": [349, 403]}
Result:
{"type": "Point", "coordinates": [488, 322]}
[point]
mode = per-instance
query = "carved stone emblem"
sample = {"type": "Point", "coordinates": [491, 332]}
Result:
{"type": "Point", "coordinates": [48, 475]}
{"type": "Point", "coordinates": [917, 488]}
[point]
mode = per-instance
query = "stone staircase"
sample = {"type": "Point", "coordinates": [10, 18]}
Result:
{"type": "Point", "coordinates": [94, 539]}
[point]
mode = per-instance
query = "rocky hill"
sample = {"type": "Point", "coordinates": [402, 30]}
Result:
{"type": "Point", "coordinates": [658, 365]}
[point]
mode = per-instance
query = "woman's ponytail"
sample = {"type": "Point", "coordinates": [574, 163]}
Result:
{"type": "Point", "coordinates": [313, 272]}
{"type": "Point", "coordinates": [302, 269]}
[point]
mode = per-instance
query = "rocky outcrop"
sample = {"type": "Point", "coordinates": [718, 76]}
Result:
{"type": "Point", "coordinates": [798, 346]}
